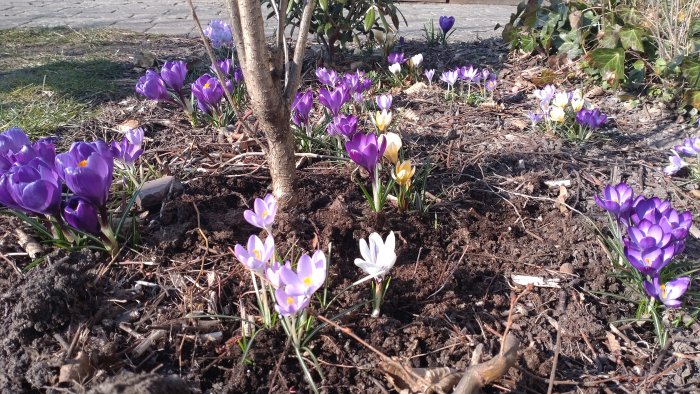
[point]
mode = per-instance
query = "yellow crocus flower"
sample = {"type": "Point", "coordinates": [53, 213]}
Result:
{"type": "Point", "coordinates": [557, 114]}
{"type": "Point", "coordinates": [382, 120]}
{"type": "Point", "coordinates": [393, 144]}
{"type": "Point", "coordinates": [403, 173]}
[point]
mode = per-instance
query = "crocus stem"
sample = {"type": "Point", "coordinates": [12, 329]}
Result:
{"type": "Point", "coordinates": [377, 298]}
{"type": "Point", "coordinates": [108, 236]}
{"type": "Point", "coordinates": [262, 300]}
{"type": "Point", "coordinates": [375, 189]}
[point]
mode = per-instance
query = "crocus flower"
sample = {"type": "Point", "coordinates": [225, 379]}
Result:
{"type": "Point", "coordinates": [557, 114]}
{"type": "Point", "coordinates": [384, 101]}
{"type": "Point", "coordinates": [301, 107]}
{"type": "Point", "coordinates": [378, 257]}
{"type": "Point", "coordinates": [675, 164]}
{"type": "Point", "coordinates": [224, 66]}
{"type": "Point", "coordinates": [357, 84]}
{"type": "Point", "coordinates": [82, 215]}
{"type": "Point", "coordinates": [534, 117]}
{"type": "Point", "coordinates": [152, 86]}
{"type": "Point", "coordinates": [382, 120]}
{"type": "Point", "coordinates": [416, 60]}
{"type": "Point", "coordinates": [365, 150]}
{"type": "Point", "coordinates": [561, 99]}
{"type": "Point", "coordinates": [446, 23]}
{"type": "Point", "coordinates": [449, 77]}
{"type": "Point", "coordinates": [485, 73]}
{"type": "Point", "coordinates": [469, 74]}
{"type": "Point", "coordinates": [491, 84]}
{"type": "Point", "coordinates": [395, 68]}
{"type": "Point", "coordinates": [327, 77]}
{"type": "Point", "coordinates": [649, 262]}
{"type": "Point", "coordinates": [333, 100]}
{"type": "Point", "coordinates": [173, 74]}
{"type": "Point", "coordinates": [393, 144]}
{"type": "Point", "coordinates": [651, 209]}
{"type": "Point", "coordinates": [272, 272]}
{"type": "Point", "coordinates": [647, 235]}
{"type": "Point", "coordinates": [33, 187]}
{"type": "Point", "coordinates": [237, 74]}
{"type": "Point", "coordinates": [429, 74]}
{"type": "Point", "coordinates": [591, 118]}
{"type": "Point", "coordinates": [343, 125]}
{"type": "Point", "coordinates": [676, 223]}
{"type": "Point", "coordinates": [545, 95]}
{"type": "Point", "coordinates": [208, 92]}
{"type": "Point", "coordinates": [219, 33]}
{"type": "Point", "coordinates": [257, 253]}
{"type": "Point", "coordinates": [396, 58]}
{"type": "Point", "coordinates": [129, 149]}
{"type": "Point", "coordinates": [263, 213]}
{"type": "Point", "coordinates": [288, 305]}
{"type": "Point", "coordinates": [11, 142]}
{"type": "Point", "coordinates": [308, 277]}
{"type": "Point", "coordinates": [87, 170]}
{"type": "Point", "coordinates": [616, 199]}
{"type": "Point", "coordinates": [403, 173]}
{"type": "Point", "coordinates": [690, 147]}
{"type": "Point", "coordinates": [670, 292]}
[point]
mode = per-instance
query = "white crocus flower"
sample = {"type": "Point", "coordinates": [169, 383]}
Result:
{"type": "Point", "coordinates": [561, 99]}
{"type": "Point", "coordinates": [416, 60]}
{"type": "Point", "coordinates": [395, 68]}
{"type": "Point", "coordinates": [377, 257]}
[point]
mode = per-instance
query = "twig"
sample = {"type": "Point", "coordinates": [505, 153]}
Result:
{"type": "Point", "coordinates": [278, 364]}
{"type": "Point", "coordinates": [12, 264]}
{"type": "Point", "coordinates": [557, 349]}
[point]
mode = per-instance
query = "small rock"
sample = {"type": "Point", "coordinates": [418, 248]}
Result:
{"type": "Point", "coordinates": [78, 369]}
{"type": "Point", "coordinates": [144, 59]}
{"type": "Point", "coordinates": [154, 192]}
{"type": "Point", "coordinates": [567, 268]}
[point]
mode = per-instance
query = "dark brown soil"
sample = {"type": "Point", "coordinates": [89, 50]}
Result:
{"type": "Point", "coordinates": [491, 215]}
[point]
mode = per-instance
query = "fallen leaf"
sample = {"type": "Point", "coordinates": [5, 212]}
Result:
{"type": "Point", "coordinates": [561, 200]}
{"type": "Point", "coordinates": [77, 369]}
{"type": "Point", "coordinates": [128, 125]}
{"type": "Point", "coordinates": [416, 88]}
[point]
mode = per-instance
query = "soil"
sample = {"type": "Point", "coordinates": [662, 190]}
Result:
{"type": "Point", "coordinates": [141, 318]}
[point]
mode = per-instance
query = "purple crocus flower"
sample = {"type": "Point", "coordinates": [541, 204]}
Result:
{"type": "Point", "coordinates": [82, 215]}
{"type": "Point", "coordinates": [33, 187]}
{"type": "Point", "coordinates": [11, 142]}
{"type": "Point", "coordinates": [288, 305]}
{"type": "Point", "coordinates": [129, 149]}
{"type": "Point", "coordinates": [651, 209]}
{"type": "Point", "coordinates": [616, 199]}
{"type": "Point", "coordinates": [219, 33]}
{"type": "Point", "coordinates": [545, 95]}
{"type": "Point", "coordinates": [237, 74]}
{"type": "Point", "coordinates": [257, 254]}
{"type": "Point", "coordinates": [485, 74]}
{"type": "Point", "coordinates": [429, 74]}
{"type": "Point", "coordinates": [343, 125]}
{"type": "Point", "coordinates": [303, 102]}
{"type": "Point", "coordinates": [224, 66]}
{"type": "Point", "coordinates": [309, 276]}
{"type": "Point", "coordinates": [649, 262]}
{"type": "Point", "coordinates": [327, 77]}
{"type": "Point", "coordinates": [152, 86]}
{"type": "Point", "coordinates": [384, 101]}
{"type": "Point", "coordinates": [591, 118]}
{"type": "Point", "coordinates": [670, 292]}
{"type": "Point", "coordinates": [208, 92]}
{"type": "Point", "coordinates": [333, 100]}
{"type": "Point", "coordinates": [534, 117]}
{"type": "Point", "coordinates": [690, 147]}
{"type": "Point", "coordinates": [446, 23]}
{"type": "Point", "coordinates": [396, 57]}
{"type": "Point", "coordinates": [356, 84]}
{"type": "Point", "coordinates": [263, 213]}
{"type": "Point", "coordinates": [469, 74]}
{"type": "Point", "coordinates": [173, 74]}
{"type": "Point", "coordinates": [676, 223]}
{"type": "Point", "coordinates": [647, 235]}
{"type": "Point", "coordinates": [450, 77]}
{"type": "Point", "coordinates": [675, 164]}
{"type": "Point", "coordinates": [365, 151]}
{"type": "Point", "coordinates": [491, 84]}
{"type": "Point", "coordinates": [87, 170]}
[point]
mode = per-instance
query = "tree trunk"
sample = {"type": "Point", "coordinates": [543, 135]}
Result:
{"type": "Point", "coordinates": [280, 155]}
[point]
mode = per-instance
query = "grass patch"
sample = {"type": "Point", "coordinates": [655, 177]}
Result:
{"type": "Point", "coordinates": [58, 77]}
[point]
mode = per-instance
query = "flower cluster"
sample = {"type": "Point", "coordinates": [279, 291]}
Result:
{"type": "Point", "coordinates": [653, 233]}
{"type": "Point", "coordinates": [219, 33]}
{"type": "Point", "coordinates": [566, 112]}
{"type": "Point", "coordinates": [690, 147]}
{"type": "Point", "coordinates": [397, 59]}
{"type": "Point", "coordinates": [168, 85]}
{"type": "Point", "coordinates": [32, 177]}
{"type": "Point", "coordinates": [484, 81]}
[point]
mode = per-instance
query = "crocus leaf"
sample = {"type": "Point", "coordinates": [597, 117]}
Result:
{"type": "Point", "coordinates": [632, 38]}
{"type": "Point", "coordinates": [609, 60]}
{"type": "Point", "coordinates": [691, 72]}
{"type": "Point", "coordinates": [369, 19]}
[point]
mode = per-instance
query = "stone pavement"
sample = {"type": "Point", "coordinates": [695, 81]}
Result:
{"type": "Point", "coordinates": [173, 16]}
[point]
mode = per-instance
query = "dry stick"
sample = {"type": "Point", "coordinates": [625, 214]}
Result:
{"type": "Point", "coordinates": [12, 264]}
{"type": "Point", "coordinates": [553, 372]}
{"type": "Point", "coordinates": [278, 365]}
{"type": "Point", "coordinates": [220, 77]}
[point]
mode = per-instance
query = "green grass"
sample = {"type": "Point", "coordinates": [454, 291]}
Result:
{"type": "Point", "coordinates": [55, 78]}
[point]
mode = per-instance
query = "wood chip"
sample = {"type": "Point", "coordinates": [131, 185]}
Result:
{"type": "Point", "coordinates": [416, 88]}
{"type": "Point", "coordinates": [537, 281]}
{"type": "Point", "coordinates": [75, 370]}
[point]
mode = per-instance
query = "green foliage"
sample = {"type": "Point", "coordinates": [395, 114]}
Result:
{"type": "Point", "coordinates": [616, 40]}
{"type": "Point", "coordinates": [344, 21]}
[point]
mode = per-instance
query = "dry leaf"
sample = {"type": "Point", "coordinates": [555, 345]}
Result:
{"type": "Point", "coordinates": [561, 200]}
{"type": "Point", "coordinates": [128, 125]}
{"type": "Point", "coordinates": [613, 345]}
{"type": "Point", "coordinates": [416, 88]}
{"type": "Point", "coordinates": [410, 115]}
{"type": "Point", "coordinates": [520, 124]}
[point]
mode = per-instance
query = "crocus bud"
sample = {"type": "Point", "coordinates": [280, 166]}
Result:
{"type": "Point", "coordinates": [82, 215]}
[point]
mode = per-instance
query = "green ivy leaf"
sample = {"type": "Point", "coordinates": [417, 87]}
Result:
{"type": "Point", "coordinates": [527, 43]}
{"type": "Point", "coordinates": [691, 72]}
{"type": "Point", "coordinates": [369, 19]}
{"type": "Point", "coordinates": [323, 4]}
{"type": "Point", "coordinates": [609, 60]}
{"type": "Point", "coordinates": [632, 38]}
